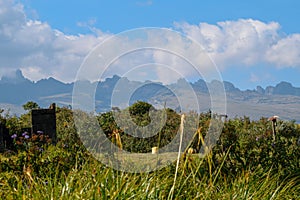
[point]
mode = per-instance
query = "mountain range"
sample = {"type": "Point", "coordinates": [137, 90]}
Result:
{"type": "Point", "coordinates": [282, 99]}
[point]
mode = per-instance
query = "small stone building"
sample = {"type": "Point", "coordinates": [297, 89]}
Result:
{"type": "Point", "coordinates": [44, 120]}
{"type": "Point", "coordinates": [6, 141]}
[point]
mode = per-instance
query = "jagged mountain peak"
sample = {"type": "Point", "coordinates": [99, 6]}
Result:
{"type": "Point", "coordinates": [17, 90]}
{"type": "Point", "coordinates": [14, 78]}
{"type": "Point", "coordinates": [282, 88]}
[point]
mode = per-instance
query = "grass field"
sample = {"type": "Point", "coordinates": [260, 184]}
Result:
{"type": "Point", "coordinates": [89, 179]}
{"type": "Point", "coordinates": [246, 163]}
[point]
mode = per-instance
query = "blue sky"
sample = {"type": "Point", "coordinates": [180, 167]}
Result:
{"type": "Point", "coordinates": [65, 31]}
{"type": "Point", "coordinates": [117, 15]}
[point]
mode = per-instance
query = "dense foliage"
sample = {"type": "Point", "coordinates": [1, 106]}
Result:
{"type": "Point", "coordinates": [246, 163]}
{"type": "Point", "coordinates": [139, 112]}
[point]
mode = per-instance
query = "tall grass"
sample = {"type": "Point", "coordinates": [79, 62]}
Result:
{"type": "Point", "coordinates": [237, 168]}
{"type": "Point", "coordinates": [94, 181]}
{"type": "Point", "coordinates": [181, 129]}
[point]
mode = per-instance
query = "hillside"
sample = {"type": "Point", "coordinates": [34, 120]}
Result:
{"type": "Point", "coordinates": [282, 99]}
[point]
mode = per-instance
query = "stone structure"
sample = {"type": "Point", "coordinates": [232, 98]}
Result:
{"type": "Point", "coordinates": [2, 146]}
{"type": "Point", "coordinates": [44, 120]}
{"type": "Point", "coordinates": [6, 141]}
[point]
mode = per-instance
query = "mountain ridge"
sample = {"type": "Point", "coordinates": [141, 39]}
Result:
{"type": "Point", "coordinates": [281, 88]}
{"type": "Point", "coordinates": [17, 90]}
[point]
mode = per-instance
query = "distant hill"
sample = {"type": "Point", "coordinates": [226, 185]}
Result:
{"type": "Point", "coordinates": [282, 99]}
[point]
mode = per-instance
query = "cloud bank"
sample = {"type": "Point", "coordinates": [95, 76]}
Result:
{"type": "Point", "coordinates": [246, 42]}
{"type": "Point", "coordinates": [38, 49]}
{"type": "Point", "coordinates": [42, 51]}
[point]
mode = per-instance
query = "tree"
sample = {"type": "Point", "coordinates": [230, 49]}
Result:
{"type": "Point", "coordinates": [139, 112]}
{"type": "Point", "coordinates": [30, 105]}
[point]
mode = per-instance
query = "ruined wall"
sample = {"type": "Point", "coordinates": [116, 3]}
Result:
{"type": "Point", "coordinates": [44, 120]}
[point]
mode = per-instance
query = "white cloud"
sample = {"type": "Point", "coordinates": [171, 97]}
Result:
{"type": "Point", "coordinates": [163, 49]}
{"type": "Point", "coordinates": [38, 49]}
{"type": "Point", "coordinates": [286, 52]}
{"type": "Point", "coordinates": [246, 42]}
{"type": "Point", "coordinates": [41, 51]}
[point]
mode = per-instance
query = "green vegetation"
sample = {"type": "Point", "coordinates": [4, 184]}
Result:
{"type": "Point", "coordinates": [245, 163]}
{"type": "Point", "coordinates": [30, 105]}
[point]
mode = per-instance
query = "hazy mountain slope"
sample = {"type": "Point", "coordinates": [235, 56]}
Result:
{"type": "Point", "coordinates": [282, 99]}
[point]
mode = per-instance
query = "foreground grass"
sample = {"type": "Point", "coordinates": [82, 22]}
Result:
{"type": "Point", "coordinates": [246, 163]}
{"type": "Point", "coordinates": [92, 180]}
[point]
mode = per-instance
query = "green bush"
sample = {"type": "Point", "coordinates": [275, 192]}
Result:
{"type": "Point", "coordinates": [246, 163]}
